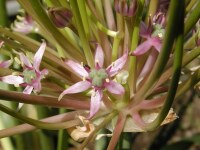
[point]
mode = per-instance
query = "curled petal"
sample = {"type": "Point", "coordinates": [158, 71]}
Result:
{"type": "Point", "coordinates": [99, 56]}
{"type": "Point", "coordinates": [115, 88]}
{"type": "Point", "coordinates": [76, 88]}
{"type": "Point", "coordinates": [25, 60]}
{"type": "Point", "coordinates": [76, 67]}
{"type": "Point", "coordinates": [38, 56]}
{"type": "Point", "coordinates": [28, 90]}
{"type": "Point", "coordinates": [95, 102]}
{"type": "Point", "coordinates": [116, 66]}
{"type": "Point", "coordinates": [11, 79]}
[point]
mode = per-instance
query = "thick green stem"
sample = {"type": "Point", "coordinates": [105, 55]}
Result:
{"type": "Point", "coordinates": [152, 9]}
{"type": "Point", "coordinates": [134, 43]}
{"type": "Point", "coordinates": [176, 73]}
{"type": "Point", "coordinates": [192, 18]}
{"type": "Point", "coordinates": [115, 48]}
{"type": "Point", "coordinates": [63, 137]}
{"type": "Point", "coordinates": [3, 14]}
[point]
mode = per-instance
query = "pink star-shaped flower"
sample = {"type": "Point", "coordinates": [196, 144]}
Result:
{"type": "Point", "coordinates": [97, 78]}
{"type": "Point", "coordinates": [31, 76]}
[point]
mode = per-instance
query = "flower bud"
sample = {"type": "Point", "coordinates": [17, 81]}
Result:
{"type": "Point", "coordinates": [60, 16]}
{"type": "Point", "coordinates": [126, 8]}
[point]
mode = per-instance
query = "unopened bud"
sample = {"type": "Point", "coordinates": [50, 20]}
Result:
{"type": "Point", "coordinates": [60, 16]}
{"type": "Point", "coordinates": [126, 8]}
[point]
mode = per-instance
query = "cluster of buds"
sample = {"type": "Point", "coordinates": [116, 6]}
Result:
{"type": "Point", "coordinates": [126, 8]}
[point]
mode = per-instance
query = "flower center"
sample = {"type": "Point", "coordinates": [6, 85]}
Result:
{"type": "Point", "coordinates": [98, 76]}
{"type": "Point", "coordinates": [158, 31]}
{"type": "Point", "coordinates": [29, 75]}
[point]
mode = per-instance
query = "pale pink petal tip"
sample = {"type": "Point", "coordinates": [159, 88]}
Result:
{"type": "Point", "coordinates": [115, 88]}
{"type": "Point", "coordinates": [28, 90]}
{"type": "Point", "coordinates": [5, 64]}
{"type": "Point", "coordinates": [11, 79]}
{"type": "Point", "coordinates": [118, 64]}
{"type": "Point", "coordinates": [99, 56]}
{"type": "Point", "coordinates": [38, 56]}
{"type": "Point", "coordinates": [76, 67]}
{"type": "Point", "coordinates": [25, 60]}
{"type": "Point", "coordinates": [76, 88]}
{"type": "Point", "coordinates": [95, 103]}
{"type": "Point", "coordinates": [142, 48]}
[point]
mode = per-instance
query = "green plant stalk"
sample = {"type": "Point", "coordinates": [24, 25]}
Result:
{"type": "Point", "coordinates": [83, 38]}
{"type": "Point", "coordinates": [84, 17]}
{"type": "Point", "coordinates": [39, 124]}
{"type": "Point", "coordinates": [134, 43]}
{"type": "Point", "coordinates": [52, 3]}
{"type": "Point", "coordinates": [63, 137]}
{"type": "Point", "coordinates": [152, 9]}
{"type": "Point", "coordinates": [64, 3]}
{"type": "Point", "coordinates": [116, 44]}
{"type": "Point", "coordinates": [190, 43]}
{"type": "Point", "coordinates": [47, 141]}
{"type": "Point", "coordinates": [190, 5]}
{"type": "Point", "coordinates": [99, 9]}
{"type": "Point", "coordinates": [163, 57]}
{"type": "Point", "coordinates": [107, 119]}
{"type": "Point", "coordinates": [8, 121]}
{"type": "Point", "coordinates": [192, 19]}
{"type": "Point", "coordinates": [176, 73]}
{"type": "Point", "coordinates": [3, 14]}
{"type": "Point", "coordinates": [6, 143]}
{"type": "Point", "coordinates": [102, 27]}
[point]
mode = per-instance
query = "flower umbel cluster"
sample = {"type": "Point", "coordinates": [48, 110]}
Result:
{"type": "Point", "coordinates": [128, 82]}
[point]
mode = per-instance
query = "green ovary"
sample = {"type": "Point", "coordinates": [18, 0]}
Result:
{"type": "Point", "coordinates": [98, 76]}
{"type": "Point", "coordinates": [29, 75]}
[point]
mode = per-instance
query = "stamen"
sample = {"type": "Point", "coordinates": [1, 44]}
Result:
{"type": "Point", "coordinates": [160, 35]}
{"type": "Point", "coordinates": [97, 61]}
{"type": "Point", "coordinates": [107, 80]}
{"type": "Point", "coordinates": [82, 64]}
{"type": "Point", "coordinates": [84, 78]}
